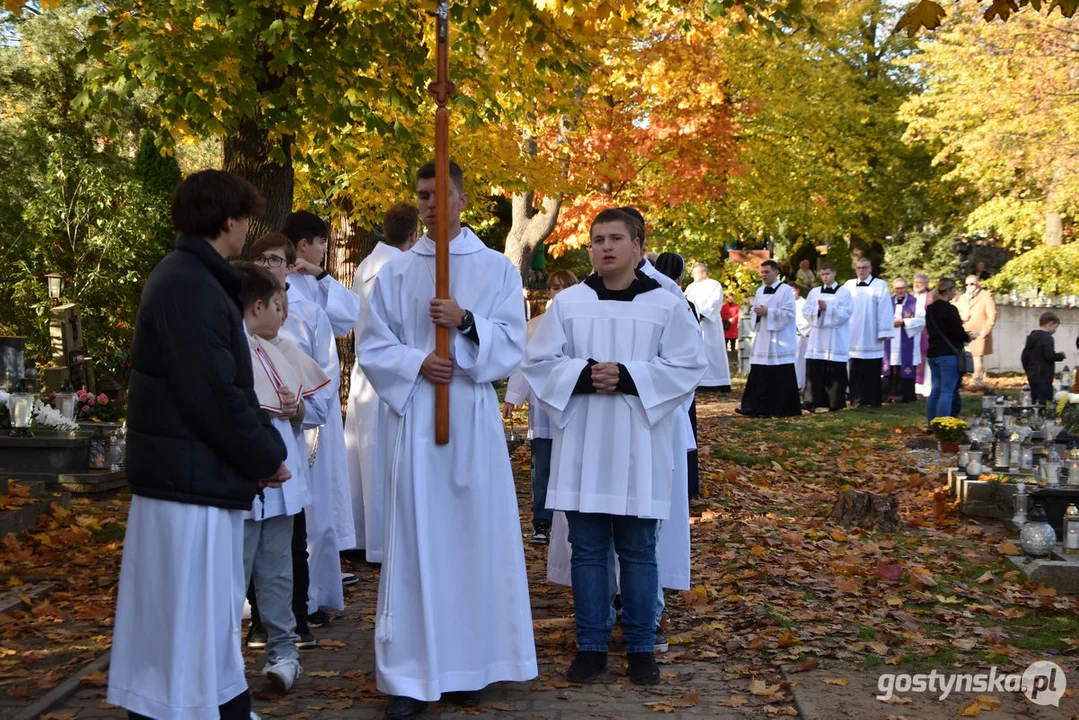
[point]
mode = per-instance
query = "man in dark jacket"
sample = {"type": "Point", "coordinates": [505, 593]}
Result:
{"type": "Point", "coordinates": [198, 450]}
{"type": "Point", "coordinates": [1038, 357]}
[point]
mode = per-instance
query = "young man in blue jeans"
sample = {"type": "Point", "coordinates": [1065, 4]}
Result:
{"type": "Point", "coordinates": [612, 361]}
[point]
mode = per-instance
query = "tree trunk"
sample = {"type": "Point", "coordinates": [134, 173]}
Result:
{"type": "Point", "coordinates": [349, 245]}
{"type": "Point", "coordinates": [529, 228]}
{"type": "Point", "coordinates": [1054, 229]}
{"type": "Point", "coordinates": [866, 510]}
{"type": "Point", "coordinates": [249, 153]}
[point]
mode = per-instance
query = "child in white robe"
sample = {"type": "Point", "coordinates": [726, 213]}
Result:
{"type": "Point", "coordinates": [268, 527]}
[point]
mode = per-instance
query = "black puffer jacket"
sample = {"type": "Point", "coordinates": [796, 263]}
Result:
{"type": "Point", "coordinates": [195, 431]}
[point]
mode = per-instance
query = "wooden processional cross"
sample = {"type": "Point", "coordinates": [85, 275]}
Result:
{"type": "Point", "coordinates": [442, 90]}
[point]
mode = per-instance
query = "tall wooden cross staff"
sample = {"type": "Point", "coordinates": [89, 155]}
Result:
{"type": "Point", "coordinates": [442, 90]}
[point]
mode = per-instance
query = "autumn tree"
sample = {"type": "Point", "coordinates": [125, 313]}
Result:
{"type": "Point", "coordinates": [1000, 105]}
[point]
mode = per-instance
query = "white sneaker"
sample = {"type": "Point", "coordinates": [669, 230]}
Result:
{"type": "Point", "coordinates": [255, 717]}
{"type": "Point", "coordinates": [282, 673]}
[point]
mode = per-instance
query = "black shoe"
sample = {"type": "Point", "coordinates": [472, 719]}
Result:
{"type": "Point", "coordinates": [747, 413]}
{"type": "Point", "coordinates": [463, 698]}
{"type": "Point", "coordinates": [401, 707]}
{"type": "Point", "coordinates": [305, 641]}
{"type": "Point", "coordinates": [587, 666]}
{"type": "Point", "coordinates": [642, 668]}
{"type": "Point", "coordinates": [541, 535]}
{"type": "Point", "coordinates": [318, 619]}
{"type": "Point", "coordinates": [256, 636]}
{"type": "Point", "coordinates": [349, 579]}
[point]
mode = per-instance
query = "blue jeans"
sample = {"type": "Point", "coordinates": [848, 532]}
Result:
{"type": "Point", "coordinates": [590, 535]}
{"type": "Point", "coordinates": [541, 475]}
{"type": "Point", "coordinates": [944, 370]}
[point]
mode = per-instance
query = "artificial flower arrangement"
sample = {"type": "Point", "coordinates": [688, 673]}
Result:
{"type": "Point", "coordinates": [43, 416]}
{"type": "Point", "coordinates": [92, 408]}
{"type": "Point", "coordinates": [948, 428]}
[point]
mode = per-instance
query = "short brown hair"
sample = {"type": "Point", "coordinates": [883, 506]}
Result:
{"type": "Point", "coordinates": [457, 176]}
{"type": "Point", "coordinates": [565, 278]}
{"type": "Point", "coordinates": [633, 227]}
{"type": "Point", "coordinates": [257, 283]}
{"type": "Point", "coordinates": [400, 222]}
{"type": "Point", "coordinates": [1048, 317]}
{"type": "Point", "coordinates": [274, 241]}
{"type": "Point", "coordinates": [206, 200]}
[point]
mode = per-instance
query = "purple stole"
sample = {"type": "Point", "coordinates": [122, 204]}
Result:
{"type": "Point", "coordinates": [906, 344]}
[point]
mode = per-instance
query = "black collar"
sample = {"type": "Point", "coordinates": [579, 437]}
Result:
{"type": "Point", "coordinates": [219, 267]}
{"type": "Point", "coordinates": [641, 284]}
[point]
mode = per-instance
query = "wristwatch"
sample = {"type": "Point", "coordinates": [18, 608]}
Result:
{"type": "Point", "coordinates": [466, 322]}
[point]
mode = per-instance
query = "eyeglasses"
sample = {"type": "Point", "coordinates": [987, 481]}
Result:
{"type": "Point", "coordinates": [274, 261]}
{"type": "Point", "coordinates": [971, 284]}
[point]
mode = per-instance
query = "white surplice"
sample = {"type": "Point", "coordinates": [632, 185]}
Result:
{"type": "Point", "coordinates": [672, 545]}
{"type": "Point", "coordinates": [925, 387]}
{"type": "Point", "coordinates": [802, 329]}
{"type": "Point", "coordinates": [611, 452]}
{"type": "Point", "coordinates": [341, 307]}
{"type": "Point", "coordinates": [707, 296]}
{"type": "Point", "coordinates": [871, 321]}
{"type": "Point", "coordinates": [776, 338]}
{"type": "Point", "coordinates": [309, 328]}
{"type": "Point", "coordinates": [365, 425]}
{"type": "Point", "coordinates": [829, 338]}
{"type": "Point", "coordinates": [453, 604]}
{"type": "Point", "coordinates": [912, 328]}
{"type": "Point", "coordinates": [182, 568]}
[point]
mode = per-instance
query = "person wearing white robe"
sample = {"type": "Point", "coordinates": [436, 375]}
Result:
{"type": "Point", "coordinates": [614, 362]}
{"type": "Point", "coordinates": [197, 445]}
{"type": "Point", "coordinates": [904, 348]}
{"type": "Point", "coordinates": [772, 385]}
{"type": "Point", "coordinates": [923, 381]}
{"type": "Point", "coordinates": [870, 326]}
{"type": "Point", "coordinates": [280, 388]}
{"type": "Point", "coordinates": [453, 611]}
{"type": "Point", "coordinates": [308, 233]}
{"type": "Point", "coordinates": [365, 417]}
{"type": "Point", "coordinates": [306, 331]}
{"type": "Point", "coordinates": [802, 328]}
{"type": "Point", "coordinates": [827, 309]}
{"type": "Point", "coordinates": [706, 295]}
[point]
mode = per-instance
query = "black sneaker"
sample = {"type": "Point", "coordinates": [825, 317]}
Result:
{"type": "Point", "coordinates": [662, 645]}
{"type": "Point", "coordinates": [402, 707]}
{"type": "Point", "coordinates": [463, 698]}
{"type": "Point", "coordinates": [541, 535]}
{"type": "Point", "coordinates": [586, 666]}
{"type": "Point", "coordinates": [256, 636]}
{"type": "Point", "coordinates": [318, 619]}
{"type": "Point", "coordinates": [348, 578]}
{"type": "Point", "coordinates": [642, 668]}
{"type": "Point", "coordinates": [306, 640]}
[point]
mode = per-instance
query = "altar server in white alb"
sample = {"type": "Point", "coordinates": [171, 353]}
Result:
{"type": "Point", "coordinates": [453, 610]}
{"type": "Point", "coordinates": [870, 325]}
{"type": "Point", "coordinates": [365, 419]}
{"type": "Point", "coordinates": [772, 386]}
{"type": "Point", "coordinates": [284, 377]}
{"type": "Point", "coordinates": [706, 295]}
{"type": "Point", "coordinates": [198, 450]}
{"type": "Point", "coordinates": [827, 310]}
{"type": "Point", "coordinates": [802, 330]}
{"type": "Point", "coordinates": [903, 351]}
{"type": "Point", "coordinates": [330, 527]}
{"type": "Point", "coordinates": [614, 360]}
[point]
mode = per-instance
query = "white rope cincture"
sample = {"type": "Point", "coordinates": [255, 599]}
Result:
{"type": "Point", "coordinates": [384, 622]}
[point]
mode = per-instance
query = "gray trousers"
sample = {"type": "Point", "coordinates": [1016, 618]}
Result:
{"type": "Point", "coordinates": [268, 558]}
